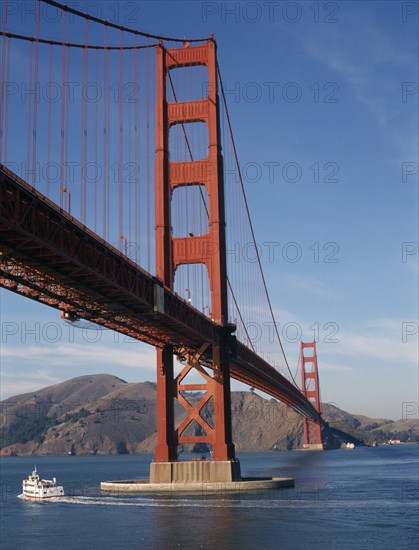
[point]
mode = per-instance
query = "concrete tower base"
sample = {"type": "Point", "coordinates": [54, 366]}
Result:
{"type": "Point", "coordinates": [195, 471]}
{"type": "Point", "coordinates": [313, 447]}
{"type": "Point", "coordinates": [195, 476]}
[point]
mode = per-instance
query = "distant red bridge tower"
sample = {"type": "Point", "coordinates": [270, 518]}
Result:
{"type": "Point", "coordinates": [311, 389]}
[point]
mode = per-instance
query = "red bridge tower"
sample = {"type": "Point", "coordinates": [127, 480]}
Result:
{"type": "Point", "coordinates": [171, 252]}
{"type": "Point", "coordinates": [311, 389]}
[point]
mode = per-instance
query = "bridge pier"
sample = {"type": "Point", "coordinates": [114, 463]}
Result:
{"type": "Point", "coordinates": [210, 413]}
{"type": "Point", "coordinates": [313, 447]}
{"type": "Point", "coordinates": [199, 471]}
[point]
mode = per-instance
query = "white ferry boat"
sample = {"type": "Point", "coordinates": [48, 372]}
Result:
{"type": "Point", "coordinates": [37, 488]}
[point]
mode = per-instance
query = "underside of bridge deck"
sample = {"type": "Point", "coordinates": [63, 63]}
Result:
{"type": "Point", "coordinates": [48, 256]}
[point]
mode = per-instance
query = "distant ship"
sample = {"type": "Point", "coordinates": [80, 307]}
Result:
{"type": "Point", "coordinates": [36, 488]}
{"type": "Point", "coordinates": [348, 446]}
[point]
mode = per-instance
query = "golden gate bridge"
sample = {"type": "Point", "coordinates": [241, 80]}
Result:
{"type": "Point", "coordinates": [115, 143]}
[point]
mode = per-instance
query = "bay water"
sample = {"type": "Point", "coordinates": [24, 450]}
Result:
{"type": "Point", "coordinates": [344, 499]}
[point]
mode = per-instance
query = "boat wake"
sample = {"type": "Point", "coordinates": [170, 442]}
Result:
{"type": "Point", "coordinates": [204, 502]}
{"type": "Point", "coordinates": [49, 499]}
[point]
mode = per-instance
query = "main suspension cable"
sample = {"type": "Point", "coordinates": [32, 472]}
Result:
{"type": "Point", "coordinates": [75, 44]}
{"type": "Point", "coordinates": [78, 13]}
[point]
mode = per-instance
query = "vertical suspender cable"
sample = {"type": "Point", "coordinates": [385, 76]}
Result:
{"type": "Point", "coordinates": [108, 150]}
{"type": "Point", "coordinates": [137, 180]}
{"type": "Point", "coordinates": [83, 164]}
{"type": "Point", "coordinates": [5, 44]}
{"type": "Point", "coordinates": [35, 95]}
{"type": "Point", "coordinates": [86, 105]}
{"type": "Point", "coordinates": [48, 171]}
{"type": "Point", "coordinates": [3, 14]}
{"type": "Point", "coordinates": [120, 149]}
{"type": "Point", "coordinates": [129, 146]}
{"type": "Point", "coordinates": [83, 84]}
{"type": "Point", "coordinates": [105, 129]}
{"type": "Point", "coordinates": [5, 113]}
{"type": "Point", "coordinates": [63, 74]}
{"type": "Point", "coordinates": [96, 131]}
{"type": "Point", "coordinates": [28, 151]}
{"type": "Point", "coordinates": [67, 171]}
{"type": "Point", "coordinates": [148, 194]}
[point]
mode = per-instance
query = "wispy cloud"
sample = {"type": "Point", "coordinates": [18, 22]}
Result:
{"type": "Point", "coordinates": [126, 355]}
{"type": "Point", "coordinates": [16, 382]}
{"type": "Point", "coordinates": [361, 53]}
{"type": "Point", "coordinates": [380, 339]}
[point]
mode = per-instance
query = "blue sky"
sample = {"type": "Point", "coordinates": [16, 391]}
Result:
{"type": "Point", "coordinates": [323, 99]}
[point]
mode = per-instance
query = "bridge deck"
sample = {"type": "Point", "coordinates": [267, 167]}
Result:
{"type": "Point", "coordinates": [49, 256]}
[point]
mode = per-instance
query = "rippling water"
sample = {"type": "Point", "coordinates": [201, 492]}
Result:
{"type": "Point", "coordinates": [365, 498]}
